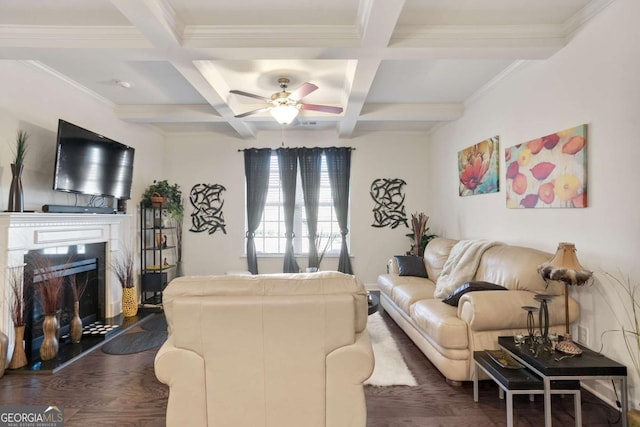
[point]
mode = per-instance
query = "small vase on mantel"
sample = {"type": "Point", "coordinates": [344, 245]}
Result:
{"type": "Point", "coordinates": [75, 324]}
{"type": "Point", "coordinates": [49, 346]}
{"type": "Point", "coordinates": [19, 357]}
{"type": "Point", "coordinates": [16, 201]}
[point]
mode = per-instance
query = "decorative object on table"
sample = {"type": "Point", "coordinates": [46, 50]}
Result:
{"type": "Point", "coordinates": [388, 195]}
{"type": "Point", "coordinates": [122, 267]}
{"type": "Point", "coordinates": [419, 226]}
{"type": "Point", "coordinates": [20, 300]}
{"type": "Point", "coordinates": [564, 267]}
{"type": "Point", "coordinates": [543, 314]}
{"type": "Point", "coordinates": [531, 323]}
{"type": "Point", "coordinates": [16, 199]}
{"type": "Point", "coordinates": [48, 286]}
{"type": "Point", "coordinates": [478, 168]}
{"type": "Point", "coordinates": [548, 172]}
{"type": "Point", "coordinates": [504, 359]}
{"type": "Point", "coordinates": [75, 324]}
{"type": "Point", "coordinates": [207, 203]}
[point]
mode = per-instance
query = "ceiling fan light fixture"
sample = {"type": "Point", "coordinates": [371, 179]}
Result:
{"type": "Point", "coordinates": [284, 114]}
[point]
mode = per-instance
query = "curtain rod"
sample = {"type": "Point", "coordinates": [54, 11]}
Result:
{"type": "Point", "coordinates": [244, 149]}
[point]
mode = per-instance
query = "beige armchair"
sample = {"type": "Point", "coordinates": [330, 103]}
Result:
{"type": "Point", "coordinates": [268, 350]}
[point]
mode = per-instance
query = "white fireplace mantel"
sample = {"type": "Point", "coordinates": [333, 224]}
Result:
{"type": "Point", "coordinates": [22, 232]}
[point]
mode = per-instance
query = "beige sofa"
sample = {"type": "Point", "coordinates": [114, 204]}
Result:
{"type": "Point", "coordinates": [266, 350]}
{"type": "Point", "coordinates": [449, 335]}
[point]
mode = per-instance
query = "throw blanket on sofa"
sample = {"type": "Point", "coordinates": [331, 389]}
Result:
{"type": "Point", "coordinates": [461, 265]}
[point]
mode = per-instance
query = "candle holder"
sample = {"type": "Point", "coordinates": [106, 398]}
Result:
{"type": "Point", "coordinates": [543, 315]}
{"type": "Point", "coordinates": [530, 320]}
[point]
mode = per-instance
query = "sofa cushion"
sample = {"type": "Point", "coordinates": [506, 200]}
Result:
{"type": "Point", "coordinates": [436, 254]}
{"type": "Point", "coordinates": [409, 265]}
{"type": "Point", "coordinates": [441, 323]}
{"type": "Point", "coordinates": [516, 268]}
{"type": "Point", "coordinates": [454, 297]}
{"type": "Point", "coordinates": [415, 289]}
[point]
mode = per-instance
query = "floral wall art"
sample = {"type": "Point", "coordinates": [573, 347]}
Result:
{"type": "Point", "coordinates": [478, 168]}
{"type": "Point", "coordinates": [548, 172]}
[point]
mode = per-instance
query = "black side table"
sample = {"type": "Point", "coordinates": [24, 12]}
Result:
{"type": "Point", "coordinates": [550, 366]}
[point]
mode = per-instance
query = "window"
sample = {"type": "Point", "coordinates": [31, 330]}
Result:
{"type": "Point", "coordinates": [270, 235]}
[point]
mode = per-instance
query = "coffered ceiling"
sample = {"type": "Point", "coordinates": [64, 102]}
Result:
{"type": "Point", "coordinates": [390, 64]}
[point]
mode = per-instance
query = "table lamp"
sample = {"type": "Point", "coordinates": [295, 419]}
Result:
{"type": "Point", "coordinates": [564, 267]}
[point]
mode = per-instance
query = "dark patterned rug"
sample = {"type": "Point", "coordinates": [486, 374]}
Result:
{"type": "Point", "coordinates": [156, 323]}
{"type": "Point", "coordinates": [135, 342]}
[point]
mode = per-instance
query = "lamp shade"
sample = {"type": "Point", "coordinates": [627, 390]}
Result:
{"type": "Point", "coordinates": [564, 267]}
{"type": "Point", "coordinates": [284, 113]}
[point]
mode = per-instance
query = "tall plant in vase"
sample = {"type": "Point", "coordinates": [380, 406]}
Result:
{"type": "Point", "coordinates": [48, 285]}
{"type": "Point", "coordinates": [16, 200]}
{"type": "Point", "coordinates": [20, 300]}
{"type": "Point", "coordinates": [122, 267]}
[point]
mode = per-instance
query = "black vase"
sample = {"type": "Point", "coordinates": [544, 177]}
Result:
{"type": "Point", "coordinates": [16, 201]}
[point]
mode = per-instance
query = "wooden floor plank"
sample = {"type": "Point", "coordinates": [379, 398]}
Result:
{"type": "Point", "coordinates": [108, 390]}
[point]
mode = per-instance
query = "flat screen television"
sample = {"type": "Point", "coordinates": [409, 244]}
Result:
{"type": "Point", "coordinates": [88, 163]}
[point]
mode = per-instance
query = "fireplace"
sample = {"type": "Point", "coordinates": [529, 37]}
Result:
{"type": "Point", "coordinates": [84, 263]}
{"type": "Point", "coordinates": [24, 232]}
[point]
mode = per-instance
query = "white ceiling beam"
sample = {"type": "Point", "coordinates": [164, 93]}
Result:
{"type": "Point", "coordinates": [377, 19]}
{"type": "Point", "coordinates": [198, 76]}
{"type": "Point", "coordinates": [167, 113]}
{"type": "Point", "coordinates": [156, 19]}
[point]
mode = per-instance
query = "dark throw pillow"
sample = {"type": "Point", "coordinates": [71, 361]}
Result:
{"type": "Point", "coordinates": [454, 297]}
{"type": "Point", "coordinates": [409, 265]}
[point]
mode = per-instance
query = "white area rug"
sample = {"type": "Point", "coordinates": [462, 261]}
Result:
{"type": "Point", "coordinates": [390, 368]}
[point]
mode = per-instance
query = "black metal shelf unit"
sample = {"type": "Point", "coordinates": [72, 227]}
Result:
{"type": "Point", "coordinates": [158, 252]}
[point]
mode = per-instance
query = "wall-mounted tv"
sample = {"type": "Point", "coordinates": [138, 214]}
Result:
{"type": "Point", "coordinates": [88, 163]}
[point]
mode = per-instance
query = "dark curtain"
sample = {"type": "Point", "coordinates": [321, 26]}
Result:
{"type": "Point", "coordinates": [288, 165]}
{"type": "Point", "coordinates": [339, 168]}
{"type": "Point", "coordinates": [310, 162]}
{"type": "Point", "coordinates": [256, 171]}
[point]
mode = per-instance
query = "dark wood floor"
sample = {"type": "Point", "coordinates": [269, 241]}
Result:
{"type": "Point", "coordinates": [107, 390]}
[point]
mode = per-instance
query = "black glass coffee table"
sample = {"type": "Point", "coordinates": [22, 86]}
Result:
{"type": "Point", "coordinates": [552, 366]}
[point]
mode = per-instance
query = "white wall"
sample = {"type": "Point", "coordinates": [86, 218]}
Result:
{"type": "Point", "coordinates": [195, 159]}
{"type": "Point", "coordinates": [33, 100]}
{"type": "Point", "coordinates": [595, 80]}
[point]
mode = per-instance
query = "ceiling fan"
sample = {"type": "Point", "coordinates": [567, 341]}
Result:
{"type": "Point", "coordinates": [286, 105]}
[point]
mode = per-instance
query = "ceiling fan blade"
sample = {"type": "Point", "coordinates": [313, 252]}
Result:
{"type": "Point", "coordinates": [250, 95]}
{"type": "Point", "coordinates": [302, 91]}
{"type": "Point", "coordinates": [323, 108]}
{"type": "Point", "coordinates": [249, 113]}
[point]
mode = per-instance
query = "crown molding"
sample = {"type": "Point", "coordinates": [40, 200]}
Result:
{"type": "Point", "coordinates": [266, 35]}
{"type": "Point", "coordinates": [493, 82]}
{"type": "Point", "coordinates": [44, 68]}
{"type": "Point", "coordinates": [574, 24]}
{"type": "Point", "coordinates": [183, 113]}
{"type": "Point", "coordinates": [478, 35]}
{"type": "Point", "coordinates": [75, 36]}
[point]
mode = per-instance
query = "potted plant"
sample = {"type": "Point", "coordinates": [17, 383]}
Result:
{"type": "Point", "coordinates": [419, 221]}
{"type": "Point", "coordinates": [167, 195]}
{"type": "Point", "coordinates": [122, 267]}
{"type": "Point", "coordinates": [16, 200]}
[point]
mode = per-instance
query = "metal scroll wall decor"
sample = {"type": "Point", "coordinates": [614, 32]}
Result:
{"type": "Point", "coordinates": [207, 203]}
{"type": "Point", "coordinates": [389, 209]}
